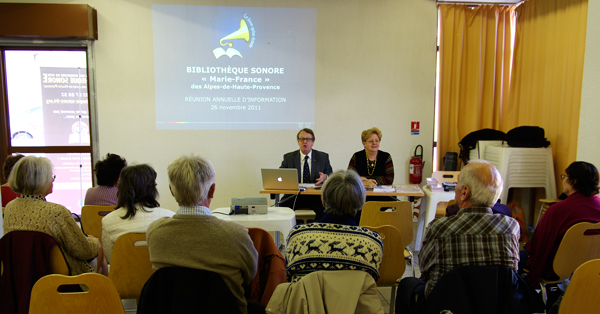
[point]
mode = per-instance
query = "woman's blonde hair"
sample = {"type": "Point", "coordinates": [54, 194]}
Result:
{"type": "Point", "coordinates": [31, 175]}
{"type": "Point", "coordinates": [367, 133]}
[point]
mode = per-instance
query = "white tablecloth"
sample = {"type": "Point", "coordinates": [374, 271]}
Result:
{"type": "Point", "coordinates": [281, 219]}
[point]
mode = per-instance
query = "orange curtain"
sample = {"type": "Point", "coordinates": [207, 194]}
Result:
{"type": "Point", "coordinates": [475, 64]}
{"type": "Point", "coordinates": [548, 73]}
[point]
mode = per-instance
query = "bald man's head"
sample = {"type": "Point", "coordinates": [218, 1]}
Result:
{"type": "Point", "coordinates": [479, 184]}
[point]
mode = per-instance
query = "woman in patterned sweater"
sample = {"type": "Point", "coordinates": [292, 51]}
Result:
{"type": "Point", "coordinates": [335, 242]}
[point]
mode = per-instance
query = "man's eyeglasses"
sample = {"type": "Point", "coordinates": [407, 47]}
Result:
{"type": "Point", "coordinates": [563, 176]}
{"type": "Point", "coordinates": [305, 139]}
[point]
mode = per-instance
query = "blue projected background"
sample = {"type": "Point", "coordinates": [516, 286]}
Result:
{"type": "Point", "coordinates": [234, 67]}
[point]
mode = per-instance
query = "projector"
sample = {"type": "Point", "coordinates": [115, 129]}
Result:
{"type": "Point", "coordinates": [249, 206]}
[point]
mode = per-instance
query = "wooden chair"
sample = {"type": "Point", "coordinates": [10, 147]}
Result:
{"type": "Point", "coordinates": [440, 210]}
{"type": "Point", "coordinates": [441, 177]}
{"type": "Point", "coordinates": [303, 215]}
{"type": "Point", "coordinates": [546, 203]}
{"type": "Point", "coordinates": [91, 219]}
{"type": "Point", "coordinates": [130, 265]}
{"type": "Point", "coordinates": [575, 249]}
{"type": "Point", "coordinates": [58, 264]}
{"type": "Point", "coordinates": [26, 256]}
{"type": "Point", "coordinates": [582, 294]}
{"type": "Point", "coordinates": [392, 263]}
{"type": "Point", "coordinates": [101, 295]}
{"type": "Point", "coordinates": [445, 176]}
{"type": "Point", "coordinates": [400, 218]}
{"type": "Point", "coordinates": [186, 290]}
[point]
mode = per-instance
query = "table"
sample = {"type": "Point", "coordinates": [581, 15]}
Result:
{"type": "Point", "coordinates": [280, 219]}
{"type": "Point", "coordinates": [410, 190]}
{"type": "Point", "coordinates": [428, 208]}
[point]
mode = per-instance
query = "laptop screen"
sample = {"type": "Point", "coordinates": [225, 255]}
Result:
{"type": "Point", "coordinates": [280, 179]}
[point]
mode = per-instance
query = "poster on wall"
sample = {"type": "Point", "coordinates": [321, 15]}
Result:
{"type": "Point", "coordinates": [65, 106]}
{"type": "Point", "coordinates": [234, 67]}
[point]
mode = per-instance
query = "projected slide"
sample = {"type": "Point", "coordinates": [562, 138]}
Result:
{"type": "Point", "coordinates": [234, 67]}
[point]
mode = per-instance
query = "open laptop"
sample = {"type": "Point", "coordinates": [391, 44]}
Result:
{"type": "Point", "coordinates": [280, 179]}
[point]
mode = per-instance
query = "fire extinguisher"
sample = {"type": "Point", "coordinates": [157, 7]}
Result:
{"type": "Point", "coordinates": [416, 167]}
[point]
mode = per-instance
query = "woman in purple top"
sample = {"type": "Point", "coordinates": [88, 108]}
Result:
{"type": "Point", "coordinates": [580, 184]}
{"type": "Point", "coordinates": [107, 175]}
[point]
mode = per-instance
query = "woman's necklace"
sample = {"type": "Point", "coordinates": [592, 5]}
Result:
{"type": "Point", "coordinates": [371, 164]}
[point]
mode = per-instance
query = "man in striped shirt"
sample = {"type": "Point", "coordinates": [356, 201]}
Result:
{"type": "Point", "coordinates": [473, 237]}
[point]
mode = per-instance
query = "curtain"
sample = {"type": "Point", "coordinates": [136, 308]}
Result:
{"type": "Point", "coordinates": [475, 66]}
{"type": "Point", "coordinates": [548, 74]}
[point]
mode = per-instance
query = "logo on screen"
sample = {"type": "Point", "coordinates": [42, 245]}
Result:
{"type": "Point", "coordinates": [244, 35]}
{"type": "Point", "coordinates": [279, 179]}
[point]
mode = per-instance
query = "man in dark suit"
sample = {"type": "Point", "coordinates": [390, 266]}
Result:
{"type": "Point", "coordinates": [313, 167]}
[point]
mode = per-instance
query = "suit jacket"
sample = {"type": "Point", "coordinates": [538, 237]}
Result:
{"type": "Point", "coordinates": [318, 163]}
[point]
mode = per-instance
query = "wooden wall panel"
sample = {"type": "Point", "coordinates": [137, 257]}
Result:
{"type": "Point", "coordinates": [48, 21]}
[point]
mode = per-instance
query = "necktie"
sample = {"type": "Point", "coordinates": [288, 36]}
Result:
{"type": "Point", "coordinates": [306, 172]}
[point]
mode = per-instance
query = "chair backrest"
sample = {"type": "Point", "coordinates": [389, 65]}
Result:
{"type": "Point", "coordinates": [582, 294]}
{"type": "Point", "coordinates": [130, 266]}
{"type": "Point", "coordinates": [392, 263]}
{"type": "Point", "coordinates": [101, 295]}
{"type": "Point", "coordinates": [445, 176]}
{"type": "Point", "coordinates": [91, 219]}
{"type": "Point", "coordinates": [400, 218]}
{"type": "Point", "coordinates": [483, 289]}
{"type": "Point", "coordinates": [58, 264]}
{"type": "Point", "coordinates": [576, 248]}
{"type": "Point", "coordinates": [26, 256]}
{"type": "Point", "coordinates": [186, 290]}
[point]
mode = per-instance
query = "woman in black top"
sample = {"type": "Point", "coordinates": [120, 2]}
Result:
{"type": "Point", "coordinates": [374, 166]}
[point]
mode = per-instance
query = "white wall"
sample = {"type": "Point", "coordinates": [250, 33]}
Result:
{"type": "Point", "coordinates": [588, 148]}
{"type": "Point", "coordinates": [375, 67]}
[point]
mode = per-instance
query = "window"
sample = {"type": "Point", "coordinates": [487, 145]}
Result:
{"type": "Point", "coordinates": [46, 104]}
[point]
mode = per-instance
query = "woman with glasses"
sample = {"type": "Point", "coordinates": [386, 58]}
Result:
{"type": "Point", "coordinates": [137, 206]}
{"type": "Point", "coordinates": [374, 166]}
{"type": "Point", "coordinates": [580, 184]}
{"type": "Point", "coordinates": [32, 177]}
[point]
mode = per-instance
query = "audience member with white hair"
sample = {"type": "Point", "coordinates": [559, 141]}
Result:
{"type": "Point", "coordinates": [194, 238]}
{"type": "Point", "coordinates": [475, 236]}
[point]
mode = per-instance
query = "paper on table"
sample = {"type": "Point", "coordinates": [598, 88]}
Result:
{"type": "Point", "coordinates": [384, 188]}
{"type": "Point", "coordinates": [407, 188]}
